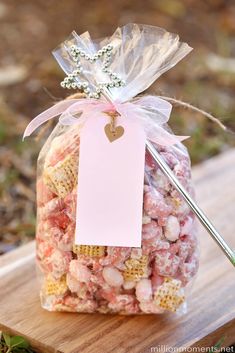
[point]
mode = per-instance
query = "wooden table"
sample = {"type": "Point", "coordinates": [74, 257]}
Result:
{"type": "Point", "coordinates": [211, 312]}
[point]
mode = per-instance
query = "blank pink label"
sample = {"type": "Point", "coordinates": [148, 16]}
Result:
{"type": "Point", "coordinates": [110, 185]}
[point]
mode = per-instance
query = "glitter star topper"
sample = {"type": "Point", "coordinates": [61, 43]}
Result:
{"type": "Point", "coordinates": [79, 56]}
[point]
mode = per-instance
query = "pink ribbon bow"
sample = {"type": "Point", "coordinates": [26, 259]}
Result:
{"type": "Point", "coordinates": [152, 112]}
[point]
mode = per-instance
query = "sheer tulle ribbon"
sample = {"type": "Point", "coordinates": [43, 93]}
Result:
{"type": "Point", "coordinates": [152, 112]}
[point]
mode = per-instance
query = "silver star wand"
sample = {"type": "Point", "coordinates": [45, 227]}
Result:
{"type": "Point", "coordinates": [103, 89]}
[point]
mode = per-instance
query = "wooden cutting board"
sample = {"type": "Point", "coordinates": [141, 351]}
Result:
{"type": "Point", "coordinates": [211, 311]}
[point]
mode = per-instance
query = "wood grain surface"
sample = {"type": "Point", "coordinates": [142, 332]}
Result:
{"type": "Point", "coordinates": [211, 310]}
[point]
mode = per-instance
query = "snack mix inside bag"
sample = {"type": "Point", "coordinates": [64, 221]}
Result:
{"type": "Point", "coordinates": [153, 278]}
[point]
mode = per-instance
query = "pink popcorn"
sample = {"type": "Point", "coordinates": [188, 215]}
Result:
{"type": "Point", "coordinates": [121, 302]}
{"type": "Point", "coordinates": [63, 239]}
{"type": "Point", "coordinates": [166, 263]}
{"type": "Point", "coordinates": [151, 245]}
{"type": "Point", "coordinates": [161, 182]}
{"type": "Point", "coordinates": [76, 304]}
{"type": "Point", "coordinates": [62, 146]}
{"type": "Point", "coordinates": [189, 269]}
{"type": "Point", "coordinates": [175, 247]}
{"type": "Point", "coordinates": [186, 225]}
{"type": "Point", "coordinates": [136, 253]}
{"type": "Point", "coordinates": [184, 250]}
{"type": "Point", "coordinates": [150, 163]}
{"type": "Point", "coordinates": [132, 309]}
{"type": "Point", "coordinates": [86, 260]}
{"type": "Point", "coordinates": [156, 281]}
{"type": "Point", "coordinates": [44, 230]}
{"type": "Point", "coordinates": [152, 238]}
{"type": "Point", "coordinates": [151, 230]}
{"type": "Point", "coordinates": [73, 284]}
{"type": "Point", "coordinates": [170, 158]}
{"type": "Point", "coordinates": [112, 276]}
{"type": "Point", "coordinates": [70, 204]}
{"type": "Point", "coordinates": [183, 170]}
{"type": "Point", "coordinates": [79, 271]}
{"type": "Point", "coordinates": [144, 290]}
{"type": "Point", "coordinates": [172, 228]}
{"type": "Point", "coordinates": [150, 308]}
{"type": "Point", "coordinates": [129, 285]}
{"type": "Point", "coordinates": [116, 256]}
{"type": "Point", "coordinates": [59, 219]}
{"type": "Point", "coordinates": [191, 240]}
{"type": "Point", "coordinates": [180, 208]}
{"type": "Point", "coordinates": [52, 206]}
{"type": "Point", "coordinates": [108, 293]}
{"type": "Point", "coordinates": [44, 251]}
{"type": "Point", "coordinates": [44, 194]}
{"type": "Point", "coordinates": [156, 206]}
{"type": "Point", "coordinates": [53, 260]}
{"type": "Point", "coordinates": [59, 262]}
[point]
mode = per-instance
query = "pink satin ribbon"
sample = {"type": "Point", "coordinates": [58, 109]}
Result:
{"type": "Point", "coordinates": [152, 112]}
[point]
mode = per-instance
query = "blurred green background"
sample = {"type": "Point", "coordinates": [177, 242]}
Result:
{"type": "Point", "coordinates": [29, 81]}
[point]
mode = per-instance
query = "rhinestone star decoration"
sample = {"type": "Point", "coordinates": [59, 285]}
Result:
{"type": "Point", "coordinates": [78, 55]}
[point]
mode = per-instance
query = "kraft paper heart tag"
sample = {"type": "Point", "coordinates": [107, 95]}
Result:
{"type": "Point", "coordinates": [110, 184]}
{"type": "Point", "coordinates": [112, 131]}
{"type": "Point", "coordinates": [115, 134]}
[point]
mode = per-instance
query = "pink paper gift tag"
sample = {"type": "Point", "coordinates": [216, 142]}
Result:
{"type": "Point", "coordinates": [110, 184]}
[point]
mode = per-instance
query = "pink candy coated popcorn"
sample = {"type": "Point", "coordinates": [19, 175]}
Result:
{"type": "Point", "coordinates": [151, 230]}
{"type": "Point", "coordinates": [79, 271]}
{"type": "Point", "coordinates": [44, 194]}
{"type": "Point", "coordinates": [57, 263]}
{"type": "Point", "coordinates": [172, 228]}
{"type": "Point", "coordinates": [166, 263]}
{"type": "Point", "coordinates": [74, 304]}
{"type": "Point", "coordinates": [116, 256]}
{"type": "Point", "coordinates": [73, 284]}
{"type": "Point", "coordinates": [186, 225]}
{"type": "Point", "coordinates": [150, 308]}
{"type": "Point", "coordinates": [144, 290]}
{"type": "Point", "coordinates": [154, 205]}
{"type": "Point", "coordinates": [112, 276]}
